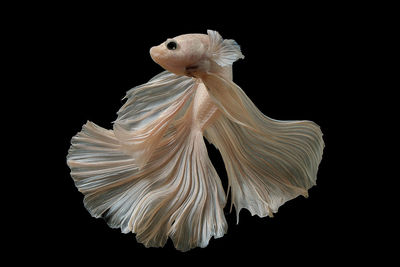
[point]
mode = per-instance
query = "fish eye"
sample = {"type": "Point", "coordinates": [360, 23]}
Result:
{"type": "Point", "coordinates": [172, 45]}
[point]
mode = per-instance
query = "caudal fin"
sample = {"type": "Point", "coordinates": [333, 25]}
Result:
{"type": "Point", "coordinates": [177, 193]}
{"type": "Point", "coordinates": [268, 161]}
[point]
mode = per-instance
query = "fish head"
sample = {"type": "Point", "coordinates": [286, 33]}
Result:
{"type": "Point", "coordinates": [181, 53]}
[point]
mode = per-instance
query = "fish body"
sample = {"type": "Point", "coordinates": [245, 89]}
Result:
{"type": "Point", "coordinates": [151, 174]}
{"type": "Point", "coordinates": [204, 109]}
{"type": "Point", "coordinates": [193, 57]}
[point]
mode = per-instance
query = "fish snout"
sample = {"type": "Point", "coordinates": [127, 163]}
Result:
{"type": "Point", "coordinates": [155, 53]}
{"type": "Point", "coordinates": [162, 56]}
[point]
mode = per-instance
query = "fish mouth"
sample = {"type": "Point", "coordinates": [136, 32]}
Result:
{"type": "Point", "coordinates": [158, 56]}
{"type": "Point", "coordinates": [155, 53]}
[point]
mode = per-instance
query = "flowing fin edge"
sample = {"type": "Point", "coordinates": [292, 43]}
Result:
{"type": "Point", "coordinates": [223, 52]}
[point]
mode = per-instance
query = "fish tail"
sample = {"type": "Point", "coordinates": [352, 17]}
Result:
{"type": "Point", "coordinates": [176, 194]}
{"type": "Point", "coordinates": [268, 161]}
{"type": "Point", "coordinates": [266, 170]}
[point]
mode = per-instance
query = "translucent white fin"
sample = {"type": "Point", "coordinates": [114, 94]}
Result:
{"type": "Point", "coordinates": [268, 162]}
{"type": "Point", "coordinates": [149, 109]}
{"type": "Point", "coordinates": [99, 167]}
{"type": "Point", "coordinates": [177, 193]}
{"type": "Point", "coordinates": [223, 52]}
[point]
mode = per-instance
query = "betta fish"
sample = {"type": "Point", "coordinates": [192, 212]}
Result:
{"type": "Point", "coordinates": [151, 174]}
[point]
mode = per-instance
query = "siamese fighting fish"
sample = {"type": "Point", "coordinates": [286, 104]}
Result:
{"type": "Point", "coordinates": [151, 174]}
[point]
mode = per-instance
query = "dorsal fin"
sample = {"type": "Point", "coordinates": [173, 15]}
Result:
{"type": "Point", "coordinates": [223, 52]}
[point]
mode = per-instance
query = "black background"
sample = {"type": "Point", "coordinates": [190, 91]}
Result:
{"type": "Point", "coordinates": [300, 63]}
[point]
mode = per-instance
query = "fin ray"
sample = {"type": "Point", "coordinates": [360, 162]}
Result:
{"type": "Point", "coordinates": [268, 161]}
{"type": "Point", "coordinates": [149, 109]}
{"type": "Point", "coordinates": [177, 194]}
{"type": "Point", "coordinates": [223, 52]}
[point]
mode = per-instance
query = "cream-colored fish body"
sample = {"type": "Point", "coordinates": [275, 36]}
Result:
{"type": "Point", "coordinates": [192, 55]}
{"type": "Point", "coordinates": [204, 109]}
{"type": "Point", "coordinates": [151, 174]}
